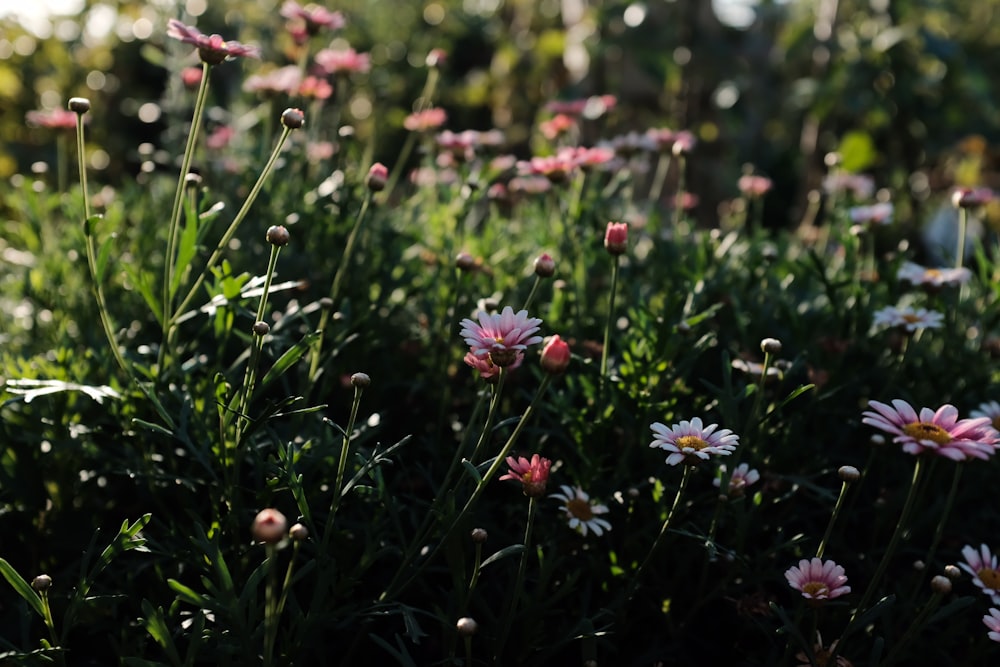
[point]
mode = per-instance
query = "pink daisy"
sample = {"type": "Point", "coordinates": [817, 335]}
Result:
{"type": "Point", "coordinates": [817, 579]}
{"type": "Point", "coordinates": [501, 336]}
{"type": "Point", "coordinates": [752, 185]}
{"type": "Point", "coordinates": [343, 60]}
{"type": "Point", "coordinates": [533, 475]}
{"type": "Point", "coordinates": [992, 621]}
{"type": "Point", "coordinates": [690, 442]}
{"type": "Point", "coordinates": [487, 369]}
{"type": "Point", "coordinates": [990, 410]}
{"type": "Point", "coordinates": [211, 48]}
{"type": "Point", "coordinates": [428, 119]}
{"type": "Point", "coordinates": [743, 476]}
{"type": "Point", "coordinates": [879, 214]}
{"type": "Point", "coordinates": [940, 432]}
{"type": "Point", "coordinates": [925, 277]}
{"type": "Point", "coordinates": [982, 565]}
{"type": "Point", "coordinates": [58, 119]}
{"type": "Point", "coordinates": [313, 16]}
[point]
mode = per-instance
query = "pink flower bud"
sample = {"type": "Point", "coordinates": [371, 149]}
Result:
{"type": "Point", "coordinates": [269, 527]}
{"type": "Point", "coordinates": [616, 237]}
{"type": "Point", "coordinates": [545, 266]}
{"type": "Point", "coordinates": [377, 177]}
{"type": "Point", "coordinates": [555, 356]}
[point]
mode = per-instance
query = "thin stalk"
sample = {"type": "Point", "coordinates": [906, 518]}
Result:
{"type": "Point", "coordinates": [637, 577]}
{"type": "Point", "coordinates": [176, 209]}
{"type": "Point", "coordinates": [515, 592]}
{"type": "Point", "coordinates": [679, 195]}
{"type": "Point", "coordinates": [394, 587]}
{"type": "Point", "coordinates": [963, 224]}
{"type": "Point", "coordinates": [913, 628]}
{"type": "Point", "coordinates": [886, 557]}
{"type": "Point", "coordinates": [531, 294]}
{"type": "Point", "coordinates": [345, 262]}
{"type": "Point", "coordinates": [170, 322]}
{"type": "Point", "coordinates": [51, 625]}
{"type": "Point", "coordinates": [341, 467]}
{"type": "Point", "coordinates": [250, 377]}
{"type": "Point", "coordinates": [611, 316]}
{"type": "Point", "coordinates": [270, 607]}
{"type": "Point", "coordinates": [833, 519]}
{"type": "Point", "coordinates": [91, 247]}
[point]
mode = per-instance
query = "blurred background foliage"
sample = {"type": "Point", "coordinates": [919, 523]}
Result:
{"type": "Point", "coordinates": [903, 90]}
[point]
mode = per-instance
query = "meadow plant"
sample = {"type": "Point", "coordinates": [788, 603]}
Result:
{"type": "Point", "coordinates": [313, 384]}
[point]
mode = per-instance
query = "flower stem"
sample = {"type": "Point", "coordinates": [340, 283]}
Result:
{"type": "Point", "coordinates": [394, 587]}
{"type": "Point", "coordinates": [270, 607]}
{"type": "Point", "coordinates": [175, 211]}
{"type": "Point", "coordinates": [531, 294]}
{"type": "Point", "coordinates": [515, 592]}
{"type": "Point", "coordinates": [833, 519]}
{"type": "Point", "coordinates": [170, 322]}
{"type": "Point", "coordinates": [887, 556]}
{"type": "Point", "coordinates": [611, 316]}
{"type": "Point", "coordinates": [345, 261]}
{"type": "Point", "coordinates": [637, 577]}
{"type": "Point", "coordinates": [963, 224]}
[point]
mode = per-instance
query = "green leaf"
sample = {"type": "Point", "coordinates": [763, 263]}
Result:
{"type": "Point", "coordinates": [288, 359]}
{"type": "Point", "coordinates": [22, 587]}
{"type": "Point", "coordinates": [467, 464]}
{"type": "Point", "coordinates": [142, 282]}
{"type": "Point", "coordinates": [187, 246]}
{"type": "Point", "coordinates": [857, 151]}
{"type": "Point", "coordinates": [188, 594]}
{"type": "Point", "coordinates": [155, 624]}
{"type": "Point", "coordinates": [512, 550]}
{"type": "Point", "coordinates": [103, 255]}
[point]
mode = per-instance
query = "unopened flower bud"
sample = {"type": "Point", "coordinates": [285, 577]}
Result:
{"type": "Point", "coordinates": [479, 535]}
{"type": "Point", "coordinates": [941, 585]}
{"type": "Point", "coordinates": [192, 179]}
{"type": "Point", "coordinates": [876, 440]}
{"type": "Point", "coordinates": [770, 346]}
{"type": "Point", "coordinates": [79, 105]}
{"type": "Point", "coordinates": [361, 380]}
{"type": "Point", "coordinates": [952, 571]}
{"type": "Point", "coordinates": [377, 177]}
{"type": "Point", "coordinates": [261, 328]}
{"type": "Point", "coordinates": [293, 119]}
{"type": "Point", "coordinates": [465, 262]}
{"type": "Point", "coordinates": [436, 57]}
{"type": "Point", "coordinates": [616, 238]}
{"type": "Point", "coordinates": [41, 583]}
{"type": "Point", "coordinates": [849, 473]}
{"type": "Point", "coordinates": [298, 532]}
{"type": "Point", "coordinates": [919, 565]}
{"type": "Point", "coordinates": [269, 526]}
{"type": "Point", "coordinates": [277, 235]}
{"type": "Point", "coordinates": [971, 197]}
{"type": "Point", "coordinates": [466, 626]}
{"type": "Point", "coordinates": [545, 266]}
{"type": "Point", "coordinates": [555, 356]}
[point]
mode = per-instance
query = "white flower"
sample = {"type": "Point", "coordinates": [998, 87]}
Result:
{"type": "Point", "coordinates": [581, 511]}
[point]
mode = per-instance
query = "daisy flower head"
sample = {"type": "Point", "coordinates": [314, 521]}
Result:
{"type": "Point", "coordinates": [930, 278]}
{"type": "Point", "coordinates": [211, 48]}
{"type": "Point", "coordinates": [821, 654]}
{"type": "Point", "coordinates": [501, 335]}
{"type": "Point", "coordinates": [982, 565]}
{"type": "Point", "coordinates": [992, 621]}
{"type": "Point", "coordinates": [818, 579]}
{"type": "Point", "coordinates": [911, 319]}
{"type": "Point", "coordinates": [990, 410]}
{"type": "Point", "coordinates": [533, 475]}
{"type": "Point", "coordinates": [691, 442]}
{"type": "Point", "coordinates": [743, 476]}
{"type": "Point", "coordinates": [581, 512]}
{"type": "Point", "coordinates": [487, 369]}
{"type": "Point", "coordinates": [873, 214]}
{"type": "Point", "coordinates": [938, 431]}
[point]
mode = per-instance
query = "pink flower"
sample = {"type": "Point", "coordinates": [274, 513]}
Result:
{"type": "Point", "coordinates": [939, 432]}
{"type": "Point", "coordinates": [982, 565]}
{"type": "Point", "coordinates": [487, 369]}
{"type": "Point", "coordinates": [501, 335]}
{"type": "Point", "coordinates": [220, 138]}
{"type": "Point", "coordinates": [880, 214]}
{"type": "Point", "coordinates": [684, 142]}
{"type": "Point", "coordinates": [990, 410]}
{"type": "Point", "coordinates": [377, 176]}
{"type": "Point", "coordinates": [587, 158]}
{"type": "Point", "coordinates": [556, 126]}
{"type": "Point", "coordinates": [616, 237]}
{"type": "Point", "coordinates": [436, 58]}
{"type": "Point", "coordinates": [284, 80]}
{"type": "Point", "coordinates": [971, 197]}
{"type": "Point", "coordinates": [555, 356]}
{"type": "Point", "coordinates": [345, 60]}
{"type": "Point", "coordinates": [533, 475]}
{"type": "Point", "coordinates": [315, 88]}
{"type": "Point", "coordinates": [54, 119]}
{"type": "Point", "coordinates": [752, 185]}
{"type": "Point", "coordinates": [662, 138]}
{"type": "Point", "coordinates": [861, 186]}
{"type": "Point", "coordinates": [312, 16]}
{"type": "Point", "coordinates": [743, 476]}
{"type": "Point", "coordinates": [211, 48]}
{"type": "Point", "coordinates": [191, 77]}
{"type": "Point", "coordinates": [691, 442]}
{"type": "Point", "coordinates": [556, 168]}
{"type": "Point", "coordinates": [817, 579]}
{"type": "Point", "coordinates": [992, 621]}
{"type": "Point", "coordinates": [428, 119]}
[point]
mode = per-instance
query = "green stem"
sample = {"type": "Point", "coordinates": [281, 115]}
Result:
{"type": "Point", "coordinates": [637, 577]}
{"type": "Point", "coordinates": [341, 467]}
{"type": "Point", "coordinates": [515, 592]}
{"type": "Point", "coordinates": [611, 316]}
{"type": "Point", "coordinates": [833, 519]}
{"type": "Point", "coordinates": [886, 557]}
{"type": "Point", "coordinates": [963, 224]}
{"type": "Point", "coordinates": [394, 587]}
{"type": "Point", "coordinates": [345, 262]}
{"type": "Point", "coordinates": [176, 209]}
{"type": "Point", "coordinates": [91, 248]}
{"type": "Point", "coordinates": [270, 607]}
{"type": "Point", "coordinates": [531, 294]}
{"type": "Point", "coordinates": [170, 322]}
{"type": "Point", "coordinates": [913, 628]}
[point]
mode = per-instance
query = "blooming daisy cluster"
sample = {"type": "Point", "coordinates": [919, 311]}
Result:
{"type": "Point", "coordinates": [500, 338]}
{"type": "Point", "coordinates": [938, 432]}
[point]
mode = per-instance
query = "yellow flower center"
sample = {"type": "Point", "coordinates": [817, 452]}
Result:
{"type": "Point", "coordinates": [815, 588]}
{"type": "Point", "coordinates": [990, 578]}
{"type": "Point", "coordinates": [911, 318]}
{"type": "Point", "coordinates": [691, 442]}
{"type": "Point", "coordinates": [526, 477]}
{"type": "Point", "coordinates": [932, 273]}
{"type": "Point", "coordinates": [996, 422]}
{"type": "Point", "coordinates": [580, 509]}
{"type": "Point", "coordinates": [925, 431]}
